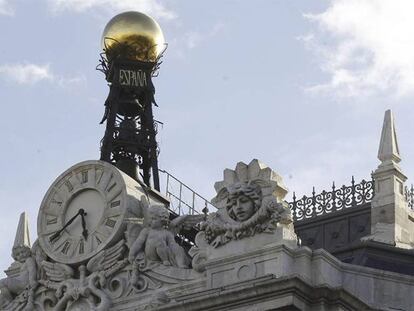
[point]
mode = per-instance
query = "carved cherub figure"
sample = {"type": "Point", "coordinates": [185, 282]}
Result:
{"type": "Point", "coordinates": [156, 241]}
{"type": "Point", "coordinates": [10, 287]}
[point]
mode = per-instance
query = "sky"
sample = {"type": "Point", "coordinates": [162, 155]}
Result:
{"type": "Point", "coordinates": [300, 85]}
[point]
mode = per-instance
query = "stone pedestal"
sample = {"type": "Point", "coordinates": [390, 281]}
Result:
{"type": "Point", "coordinates": [391, 220]}
{"type": "Point", "coordinates": [246, 259]}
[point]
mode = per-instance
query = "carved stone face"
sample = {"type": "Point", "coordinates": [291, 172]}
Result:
{"type": "Point", "coordinates": [244, 208]}
{"type": "Point", "coordinates": [156, 222]}
{"type": "Point", "coordinates": [243, 201]}
{"type": "Point", "coordinates": [159, 217]}
{"type": "Point", "coordinates": [20, 254]}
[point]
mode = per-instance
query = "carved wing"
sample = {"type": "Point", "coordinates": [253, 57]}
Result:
{"type": "Point", "coordinates": [108, 259]}
{"type": "Point", "coordinates": [185, 222]}
{"type": "Point", "coordinates": [57, 272]}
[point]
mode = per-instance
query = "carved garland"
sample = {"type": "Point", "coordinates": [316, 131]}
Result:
{"type": "Point", "coordinates": [218, 232]}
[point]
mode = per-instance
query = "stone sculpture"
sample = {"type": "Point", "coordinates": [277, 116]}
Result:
{"type": "Point", "coordinates": [25, 281]}
{"type": "Point", "coordinates": [85, 292]}
{"type": "Point", "coordinates": [144, 259]}
{"type": "Point", "coordinates": [36, 282]}
{"type": "Point", "coordinates": [156, 243]}
{"type": "Point", "coordinates": [251, 213]}
{"type": "Point", "coordinates": [17, 291]}
{"type": "Point", "coordinates": [249, 201]}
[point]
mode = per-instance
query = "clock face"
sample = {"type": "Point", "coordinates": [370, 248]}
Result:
{"type": "Point", "coordinates": [82, 212]}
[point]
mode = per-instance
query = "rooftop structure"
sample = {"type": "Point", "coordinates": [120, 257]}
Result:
{"type": "Point", "coordinates": [109, 239]}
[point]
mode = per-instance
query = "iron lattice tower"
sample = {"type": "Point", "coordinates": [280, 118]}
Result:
{"type": "Point", "coordinates": [130, 142]}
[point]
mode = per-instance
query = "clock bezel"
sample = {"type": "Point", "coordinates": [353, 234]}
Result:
{"type": "Point", "coordinates": [73, 172]}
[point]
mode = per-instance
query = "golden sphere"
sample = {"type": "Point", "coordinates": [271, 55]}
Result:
{"type": "Point", "coordinates": [134, 36]}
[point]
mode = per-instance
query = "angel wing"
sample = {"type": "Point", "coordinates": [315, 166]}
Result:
{"type": "Point", "coordinates": [57, 272]}
{"type": "Point", "coordinates": [108, 260]}
{"type": "Point", "coordinates": [185, 222]}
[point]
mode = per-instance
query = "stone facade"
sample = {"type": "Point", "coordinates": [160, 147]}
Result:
{"type": "Point", "coordinates": [246, 255]}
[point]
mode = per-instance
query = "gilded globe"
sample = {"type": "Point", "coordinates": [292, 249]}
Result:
{"type": "Point", "coordinates": [133, 36]}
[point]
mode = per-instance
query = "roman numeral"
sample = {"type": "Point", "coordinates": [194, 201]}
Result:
{"type": "Point", "coordinates": [61, 195]}
{"type": "Point", "coordinates": [98, 240]}
{"type": "Point", "coordinates": [58, 203]}
{"type": "Point", "coordinates": [58, 241]}
{"type": "Point", "coordinates": [51, 221]}
{"type": "Point", "coordinates": [115, 203]}
{"type": "Point", "coordinates": [110, 222]}
{"type": "Point", "coordinates": [81, 247]}
{"type": "Point", "coordinates": [69, 186]}
{"type": "Point", "coordinates": [114, 194]}
{"type": "Point", "coordinates": [99, 174]}
{"type": "Point", "coordinates": [53, 238]}
{"type": "Point", "coordinates": [84, 177]}
{"type": "Point", "coordinates": [65, 248]}
{"type": "Point", "coordinates": [111, 187]}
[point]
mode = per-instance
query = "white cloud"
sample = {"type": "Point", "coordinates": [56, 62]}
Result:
{"type": "Point", "coordinates": [194, 38]}
{"type": "Point", "coordinates": [26, 73]}
{"type": "Point", "coordinates": [151, 7]}
{"type": "Point", "coordinates": [6, 8]}
{"type": "Point", "coordinates": [366, 47]}
{"type": "Point", "coordinates": [32, 74]}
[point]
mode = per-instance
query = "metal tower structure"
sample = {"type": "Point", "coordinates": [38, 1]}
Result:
{"type": "Point", "coordinates": [130, 136]}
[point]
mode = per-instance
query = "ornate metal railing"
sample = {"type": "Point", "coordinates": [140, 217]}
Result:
{"type": "Point", "coordinates": [409, 196]}
{"type": "Point", "coordinates": [183, 199]}
{"type": "Point", "coordinates": [331, 201]}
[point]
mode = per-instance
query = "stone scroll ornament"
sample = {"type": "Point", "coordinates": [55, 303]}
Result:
{"type": "Point", "coordinates": [249, 201]}
{"type": "Point", "coordinates": [42, 285]}
{"type": "Point", "coordinates": [85, 289]}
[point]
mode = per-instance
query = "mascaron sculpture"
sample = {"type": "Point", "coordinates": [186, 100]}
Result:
{"type": "Point", "coordinates": [249, 205]}
{"type": "Point", "coordinates": [249, 201]}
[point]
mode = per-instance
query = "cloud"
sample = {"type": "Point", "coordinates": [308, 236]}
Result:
{"type": "Point", "coordinates": [26, 73]}
{"type": "Point", "coordinates": [32, 74]}
{"type": "Point", "coordinates": [5, 8]}
{"type": "Point", "coordinates": [365, 46]}
{"type": "Point", "coordinates": [151, 7]}
{"type": "Point", "coordinates": [192, 39]}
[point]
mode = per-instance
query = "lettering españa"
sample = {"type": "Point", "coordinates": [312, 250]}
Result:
{"type": "Point", "coordinates": [134, 78]}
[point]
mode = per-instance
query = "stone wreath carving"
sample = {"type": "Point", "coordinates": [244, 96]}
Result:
{"type": "Point", "coordinates": [249, 201]}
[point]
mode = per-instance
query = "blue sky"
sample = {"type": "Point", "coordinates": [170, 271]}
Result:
{"type": "Point", "coordinates": [300, 85]}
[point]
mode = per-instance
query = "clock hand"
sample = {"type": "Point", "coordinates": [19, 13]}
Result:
{"type": "Point", "coordinates": [58, 233]}
{"type": "Point", "coordinates": [85, 231]}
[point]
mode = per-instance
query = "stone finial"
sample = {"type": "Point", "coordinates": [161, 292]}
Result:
{"type": "Point", "coordinates": [390, 218]}
{"type": "Point", "coordinates": [388, 149]}
{"type": "Point", "coordinates": [22, 238]}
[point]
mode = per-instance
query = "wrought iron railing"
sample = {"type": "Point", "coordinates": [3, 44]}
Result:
{"type": "Point", "coordinates": [183, 199]}
{"type": "Point", "coordinates": [331, 201]}
{"type": "Point", "coordinates": [409, 196]}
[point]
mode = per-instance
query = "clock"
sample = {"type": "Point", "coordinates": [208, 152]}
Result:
{"type": "Point", "coordinates": [85, 210]}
